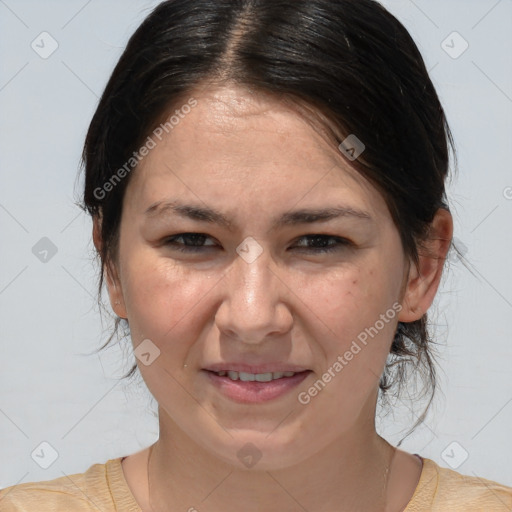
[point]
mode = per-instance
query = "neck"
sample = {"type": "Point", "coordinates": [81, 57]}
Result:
{"type": "Point", "coordinates": [349, 474]}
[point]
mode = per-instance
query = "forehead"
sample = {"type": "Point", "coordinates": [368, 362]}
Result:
{"type": "Point", "coordinates": [234, 144]}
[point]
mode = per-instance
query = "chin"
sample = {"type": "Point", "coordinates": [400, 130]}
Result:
{"type": "Point", "coordinates": [261, 451]}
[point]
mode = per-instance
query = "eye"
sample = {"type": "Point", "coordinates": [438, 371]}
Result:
{"type": "Point", "coordinates": [194, 242]}
{"type": "Point", "coordinates": [322, 245]}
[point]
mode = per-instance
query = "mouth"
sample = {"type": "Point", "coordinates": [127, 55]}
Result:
{"type": "Point", "coordinates": [251, 388]}
{"type": "Point", "coordinates": [252, 377]}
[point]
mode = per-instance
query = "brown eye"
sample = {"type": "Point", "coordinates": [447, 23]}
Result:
{"type": "Point", "coordinates": [192, 242]}
{"type": "Point", "coordinates": [326, 243]}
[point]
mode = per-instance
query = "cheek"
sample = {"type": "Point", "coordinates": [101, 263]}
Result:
{"type": "Point", "coordinates": [350, 300]}
{"type": "Point", "coordinates": [358, 320]}
{"type": "Point", "coordinates": [160, 297]}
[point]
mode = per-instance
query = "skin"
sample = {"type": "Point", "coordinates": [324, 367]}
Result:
{"type": "Point", "coordinates": [253, 158]}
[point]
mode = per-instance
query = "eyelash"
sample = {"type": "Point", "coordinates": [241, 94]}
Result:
{"type": "Point", "coordinates": [340, 243]}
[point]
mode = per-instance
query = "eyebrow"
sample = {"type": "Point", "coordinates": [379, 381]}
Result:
{"type": "Point", "coordinates": [297, 217]}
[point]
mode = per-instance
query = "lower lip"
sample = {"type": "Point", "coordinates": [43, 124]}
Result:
{"type": "Point", "coordinates": [253, 392]}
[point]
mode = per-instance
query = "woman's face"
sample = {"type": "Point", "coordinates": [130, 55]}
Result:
{"type": "Point", "coordinates": [257, 292]}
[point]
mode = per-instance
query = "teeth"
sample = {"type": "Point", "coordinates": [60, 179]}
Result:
{"type": "Point", "coordinates": [250, 377]}
{"type": "Point", "coordinates": [262, 377]}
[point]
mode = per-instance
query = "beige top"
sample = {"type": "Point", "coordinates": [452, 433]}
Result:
{"type": "Point", "coordinates": [103, 488]}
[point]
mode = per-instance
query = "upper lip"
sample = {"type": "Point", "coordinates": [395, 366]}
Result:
{"type": "Point", "coordinates": [255, 368]}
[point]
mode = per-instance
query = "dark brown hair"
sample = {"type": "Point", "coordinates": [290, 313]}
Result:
{"type": "Point", "coordinates": [350, 61]}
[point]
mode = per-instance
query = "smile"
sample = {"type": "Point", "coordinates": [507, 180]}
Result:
{"type": "Point", "coordinates": [253, 388]}
{"type": "Point", "coordinates": [259, 377]}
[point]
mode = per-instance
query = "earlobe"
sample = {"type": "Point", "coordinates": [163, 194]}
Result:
{"type": "Point", "coordinates": [409, 312]}
{"type": "Point", "coordinates": [115, 291]}
{"type": "Point", "coordinates": [112, 281]}
{"type": "Point", "coordinates": [423, 280]}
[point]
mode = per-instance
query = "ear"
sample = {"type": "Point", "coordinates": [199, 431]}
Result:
{"type": "Point", "coordinates": [115, 290]}
{"type": "Point", "coordinates": [423, 282]}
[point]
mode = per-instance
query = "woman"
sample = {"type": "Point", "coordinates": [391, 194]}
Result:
{"type": "Point", "coordinates": [266, 184]}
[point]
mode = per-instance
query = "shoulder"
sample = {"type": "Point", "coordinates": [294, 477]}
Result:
{"type": "Point", "coordinates": [80, 492]}
{"type": "Point", "coordinates": [441, 489]}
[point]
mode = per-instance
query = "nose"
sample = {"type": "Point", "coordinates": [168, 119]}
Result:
{"type": "Point", "coordinates": [254, 305]}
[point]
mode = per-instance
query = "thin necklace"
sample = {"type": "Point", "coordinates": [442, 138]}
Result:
{"type": "Point", "coordinates": [386, 477]}
{"type": "Point", "coordinates": [384, 489]}
{"type": "Point", "coordinates": [149, 490]}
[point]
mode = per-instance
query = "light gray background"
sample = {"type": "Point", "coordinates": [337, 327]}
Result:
{"type": "Point", "coordinates": [52, 391]}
